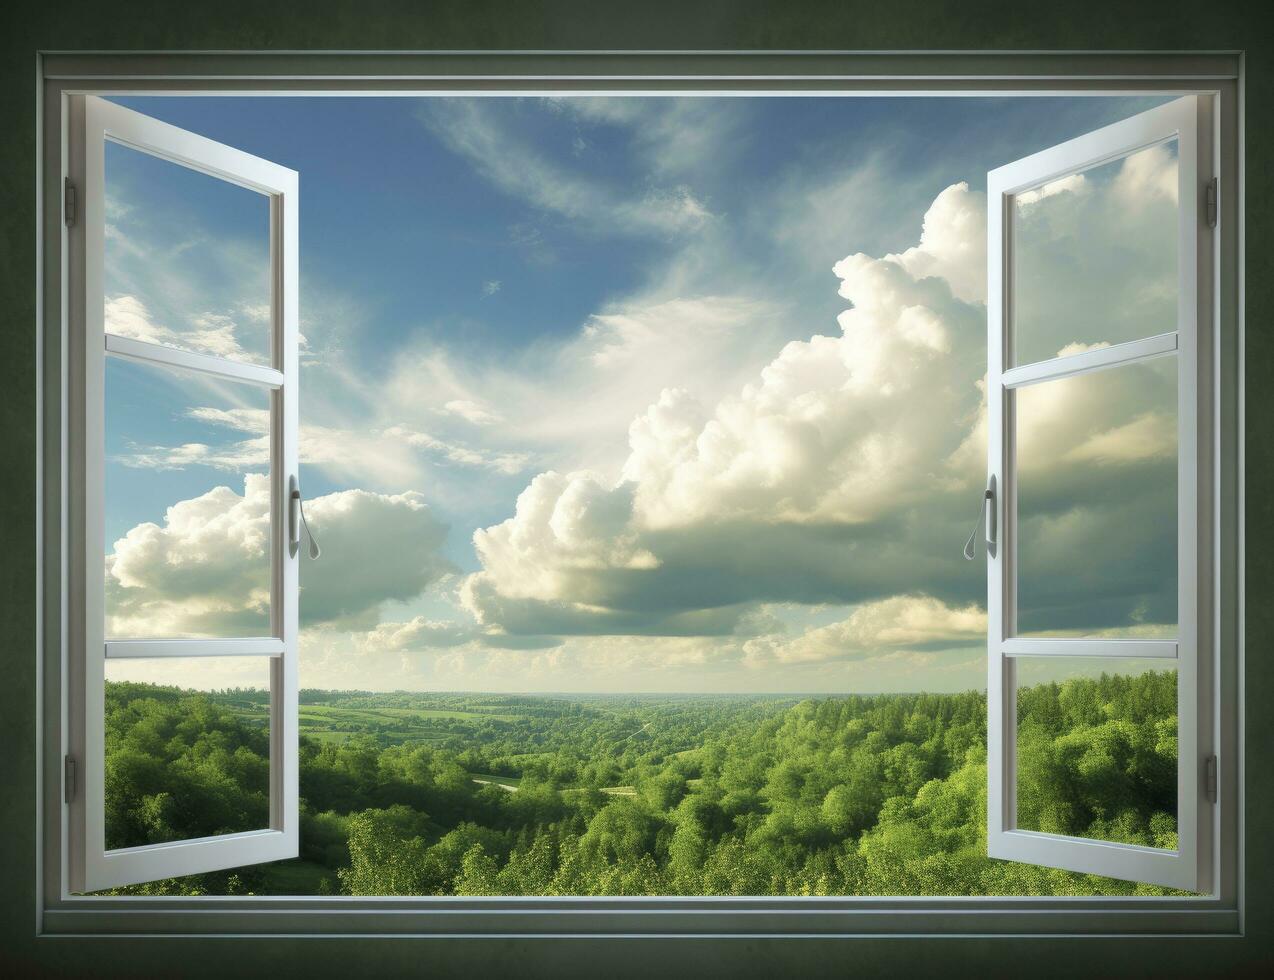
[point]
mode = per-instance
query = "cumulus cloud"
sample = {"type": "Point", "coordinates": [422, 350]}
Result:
{"type": "Point", "coordinates": [905, 622]}
{"type": "Point", "coordinates": [953, 243]}
{"type": "Point", "coordinates": [417, 633]}
{"type": "Point", "coordinates": [1095, 256]}
{"type": "Point", "coordinates": [758, 470]}
{"type": "Point", "coordinates": [834, 438]}
{"type": "Point", "coordinates": [840, 472]}
{"type": "Point", "coordinates": [205, 570]}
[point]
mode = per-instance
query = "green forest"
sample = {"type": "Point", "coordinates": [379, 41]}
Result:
{"type": "Point", "coordinates": [455, 794]}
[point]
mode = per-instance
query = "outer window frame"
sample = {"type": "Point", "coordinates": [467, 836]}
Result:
{"type": "Point", "coordinates": [826, 73]}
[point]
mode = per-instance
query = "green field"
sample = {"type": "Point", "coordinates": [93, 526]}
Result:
{"type": "Point", "coordinates": [337, 723]}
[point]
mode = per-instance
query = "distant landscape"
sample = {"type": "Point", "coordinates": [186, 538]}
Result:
{"type": "Point", "coordinates": [482, 794]}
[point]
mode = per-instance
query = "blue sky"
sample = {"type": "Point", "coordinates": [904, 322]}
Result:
{"type": "Point", "coordinates": [512, 308]}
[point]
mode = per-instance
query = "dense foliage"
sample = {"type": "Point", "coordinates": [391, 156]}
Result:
{"type": "Point", "coordinates": [410, 794]}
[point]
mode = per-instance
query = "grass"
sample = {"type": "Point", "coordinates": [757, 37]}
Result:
{"type": "Point", "coordinates": [508, 782]}
{"type": "Point", "coordinates": [335, 723]}
{"type": "Point", "coordinates": [297, 877]}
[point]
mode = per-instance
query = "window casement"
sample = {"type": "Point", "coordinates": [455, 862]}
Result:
{"type": "Point", "coordinates": [1182, 365]}
{"type": "Point", "coordinates": [1145, 364]}
{"type": "Point", "coordinates": [105, 138]}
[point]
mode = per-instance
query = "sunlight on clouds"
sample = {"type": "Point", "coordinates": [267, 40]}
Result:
{"type": "Point", "coordinates": [205, 570]}
{"type": "Point", "coordinates": [787, 507]}
{"type": "Point", "coordinates": [872, 432]}
{"type": "Point", "coordinates": [566, 402]}
{"type": "Point", "coordinates": [952, 243]}
{"type": "Point", "coordinates": [1094, 256]}
{"type": "Point", "coordinates": [911, 622]}
{"type": "Point", "coordinates": [1148, 174]}
{"type": "Point", "coordinates": [206, 333]}
{"type": "Point", "coordinates": [1070, 184]}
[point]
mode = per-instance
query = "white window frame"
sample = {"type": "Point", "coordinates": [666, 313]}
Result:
{"type": "Point", "coordinates": [1188, 121]}
{"type": "Point", "coordinates": [92, 122]}
{"type": "Point", "coordinates": [837, 74]}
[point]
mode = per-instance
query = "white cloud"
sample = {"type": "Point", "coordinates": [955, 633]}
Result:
{"type": "Point", "coordinates": [471, 411]}
{"type": "Point", "coordinates": [765, 462]}
{"type": "Point", "coordinates": [453, 452]}
{"type": "Point", "coordinates": [1070, 184]}
{"type": "Point", "coordinates": [205, 570]}
{"type": "Point", "coordinates": [843, 431]}
{"type": "Point", "coordinates": [840, 472]}
{"type": "Point", "coordinates": [905, 622]}
{"type": "Point", "coordinates": [953, 243]}
{"type": "Point", "coordinates": [417, 633]}
{"type": "Point", "coordinates": [565, 403]}
{"type": "Point", "coordinates": [1091, 244]}
{"type": "Point", "coordinates": [216, 334]}
{"type": "Point", "coordinates": [474, 129]}
{"type": "Point", "coordinates": [1148, 174]}
{"type": "Point", "coordinates": [669, 137]}
{"type": "Point", "coordinates": [351, 451]}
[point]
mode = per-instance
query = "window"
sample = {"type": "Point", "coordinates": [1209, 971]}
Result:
{"type": "Point", "coordinates": [125, 161]}
{"type": "Point", "coordinates": [1101, 531]}
{"type": "Point", "coordinates": [1137, 290]}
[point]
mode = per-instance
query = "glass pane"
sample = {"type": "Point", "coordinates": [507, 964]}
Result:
{"type": "Point", "coordinates": [1097, 748]}
{"type": "Point", "coordinates": [1095, 257]}
{"type": "Point", "coordinates": [187, 259]}
{"type": "Point", "coordinates": [187, 748]}
{"type": "Point", "coordinates": [187, 512]}
{"type": "Point", "coordinates": [1097, 503]}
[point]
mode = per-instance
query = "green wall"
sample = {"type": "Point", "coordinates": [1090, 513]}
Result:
{"type": "Point", "coordinates": [28, 26]}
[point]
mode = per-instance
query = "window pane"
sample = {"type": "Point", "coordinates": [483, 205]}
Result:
{"type": "Point", "coordinates": [187, 512]}
{"type": "Point", "coordinates": [1097, 503]}
{"type": "Point", "coordinates": [187, 748]}
{"type": "Point", "coordinates": [1097, 748]}
{"type": "Point", "coordinates": [1095, 257]}
{"type": "Point", "coordinates": [187, 258]}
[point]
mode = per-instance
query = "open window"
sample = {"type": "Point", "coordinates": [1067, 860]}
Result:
{"type": "Point", "coordinates": [128, 349]}
{"type": "Point", "coordinates": [1099, 494]}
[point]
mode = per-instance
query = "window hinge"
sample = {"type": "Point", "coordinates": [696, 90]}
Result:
{"type": "Point", "coordinates": [1210, 199]}
{"type": "Point", "coordinates": [68, 202]}
{"type": "Point", "coordinates": [1209, 777]}
{"type": "Point", "coordinates": [68, 779]}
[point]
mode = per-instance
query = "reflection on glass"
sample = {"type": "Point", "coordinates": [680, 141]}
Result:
{"type": "Point", "coordinates": [187, 748]}
{"type": "Point", "coordinates": [1097, 503]}
{"type": "Point", "coordinates": [187, 258]}
{"type": "Point", "coordinates": [1095, 257]}
{"type": "Point", "coordinates": [187, 504]}
{"type": "Point", "coordinates": [1097, 748]}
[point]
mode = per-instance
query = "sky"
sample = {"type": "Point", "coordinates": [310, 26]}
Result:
{"type": "Point", "coordinates": [638, 393]}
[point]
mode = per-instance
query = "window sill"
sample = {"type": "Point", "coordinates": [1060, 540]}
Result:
{"type": "Point", "coordinates": [640, 917]}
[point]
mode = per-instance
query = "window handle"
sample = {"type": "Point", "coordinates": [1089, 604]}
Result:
{"type": "Point", "coordinates": [986, 512]}
{"type": "Point", "coordinates": [296, 520]}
